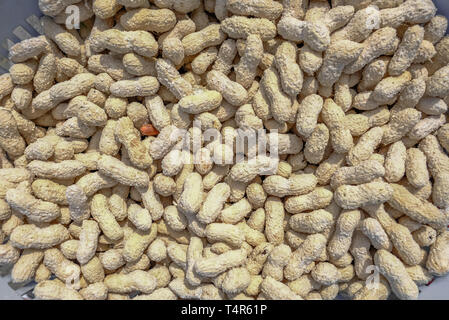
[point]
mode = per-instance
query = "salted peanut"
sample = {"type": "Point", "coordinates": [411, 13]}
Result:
{"type": "Point", "coordinates": [379, 43]}
{"type": "Point", "coordinates": [213, 266]}
{"type": "Point", "coordinates": [366, 145]}
{"type": "Point", "coordinates": [357, 30]}
{"type": "Point", "coordinates": [165, 141]}
{"type": "Point", "coordinates": [419, 210]}
{"type": "Point", "coordinates": [88, 241]}
{"type": "Point", "coordinates": [310, 60]}
{"type": "Point", "coordinates": [317, 199]}
{"type": "Point", "coordinates": [313, 222]}
{"type": "Point", "coordinates": [285, 144]}
{"type": "Point", "coordinates": [425, 236]}
{"type": "Point", "coordinates": [190, 199]}
{"type": "Point", "coordinates": [308, 112]}
{"type": "Point", "coordinates": [194, 253]}
{"type": "Point", "coordinates": [436, 86]}
{"type": "Point", "coordinates": [400, 124]}
{"type": "Point", "coordinates": [372, 229]}
{"type": "Point", "coordinates": [258, 257]}
{"type": "Point", "coordinates": [340, 136]}
{"type": "Point", "coordinates": [296, 185]}
{"type": "Point", "coordinates": [95, 291]}
{"type": "Point", "coordinates": [148, 19]}
{"type": "Point", "coordinates": [437, 262]}
{"type": "Point", "coordinates": [443, 136]}
{"type": "Point", "coordinates": [196, 42]}
{"type": "Point", "coordinates": [352, 197]}
{"type": "Point", "coordinates": [171, 44]}
{"type": "Point", "coordinates": [274, 227]}
{"type": "Point", "coordinates": [314, 33]}
{"type": "Point", "coordinates": [336, 58]}
{"type": "Point", "coordinates": [63, 269]}
{"type": "Point", "coordinates": [280, 105]}
{"type": "Point", "coordinates": [87, 112]}
{"type": "Point", "coordinates": [185, 291]}
{"type": "Point", "coordinates": [416, 168]}
{"type": "Point", "coordinates": [111, 259]}
{"type": "Point", "coordinates": [174, 218]}
{"type": "Point", "coordinates": [395, 162]}
{"type": "Point", "coordinates": [395, 272]}
{"type": "Point", "coordinates": [236, 212]}
{"type": "Point", "coordinates": [122, 173]}
{"type": "Point", "coordinates": [235, 281]}
{"type": "Point", "coordinates": [262, 9]}
{"type": "Point", "coordinates": [158, 294]}
{"type": "Point", "coordinates": [239, 27]}
{"type": "Point", "coordinates": [232, 92]}
{"type": "Point", "coordinates": [361, 173]}
{"type": "Point", "coordinates": [277, 260]}
{"type": "Point", "coordinates": [164, 185]}
{"type": "Point", "coordinates": [432, 106]}
{"type": "Point", "coordinates": [29, 236]}
{"type": "Point", "coordinates": [10, 139]}
{"type": "Point", "coordinates": [341, 240]}
{"type": "Point", "coordinates": [27, 49]}
{"type": "Point", "coordinates": [126, 135]}
{"type": "Point", "coordinates": [55, 290]}
{"type": "Point", "coordinates": [407, 50]}
{"type": "Point", "coordinates": [151, 201]}
{"type": "Point", "coordinates": [9, 255]}
{"type": "Point", "coordinates": [425, 127]}
{"type": "Point", "coordinates": [178, 254]}
{"type": "Point", "coordinates": [214, 202]}
{"type": "Point", "coordinates": [201, 62]}
{"type": "Point", "coordinates": [203, 101]}
{"type": "Point", "coordinates": [157, 251]}
{"type": "Point", "coordinates": [110, 68]}
{"type": "Point", "coordinates": [91, 183]}
{"type": "Point", "coordinates": [437, 160]}
{"type": "Point", "coordinates": [225, 57]}
{"type": "Point", "coordinates": [23, 73]}
{"type": "Point", "coordinates": [360, 250]}
{"type": "Point", "coordinates": [325, 273]}
{"type": "Point", "coordinates": [303, 285]}
{"type": "Point", "coordinates": [25, 267]}
{"type": "Point", "coordinates": [435, 29]}
{"type": "Point", "coordinates": [122, 42]}
{"type": "Point", "coordinates": [66, 41]}
{"type": "Point", "coordinates": [246, 69]}
{"type": "Point", "coordinates": [373, 73]}
{"type": "Point", "coordinates": [409, 223]}
{"type": "Point", "coordinates": [137, 242]}
{"type": "Point", "coordinates": [104, 217]}
{"type": "Point", "coordinates": [136, 87]}
{"type": "Point", "coordinates": [139, 217]}
{"type": "Point", "coordinates": [158, 114]}
{"type": "Point", "coordinates": [423, 11]}
{"type": "Point", "coordinates": [290, 74]}
{"type": "Point", "coordinates": [276, 290]}
{"type": "Point", "coordinates": [227, 233]}
{"type": "Point", "coordinates": [139, 66]}
{"type": "Point", "coordinates": [35, 209]}
{"type": "Point", "coordinates": [301, 258]}
{"type": "Point", "coordinates": [256, 220]}
{"type": "Point", "coordinates": [126, 283]}
{"type": "Point", "coordinates": [388, 88]}
{"type": "Point", "coordinates": [69, 249]}
{"type": "Point", "coordinates": [419, 274]}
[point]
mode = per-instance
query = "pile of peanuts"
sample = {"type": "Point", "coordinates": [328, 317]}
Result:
{"type": "Point", "coordinates": [98, 202]}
